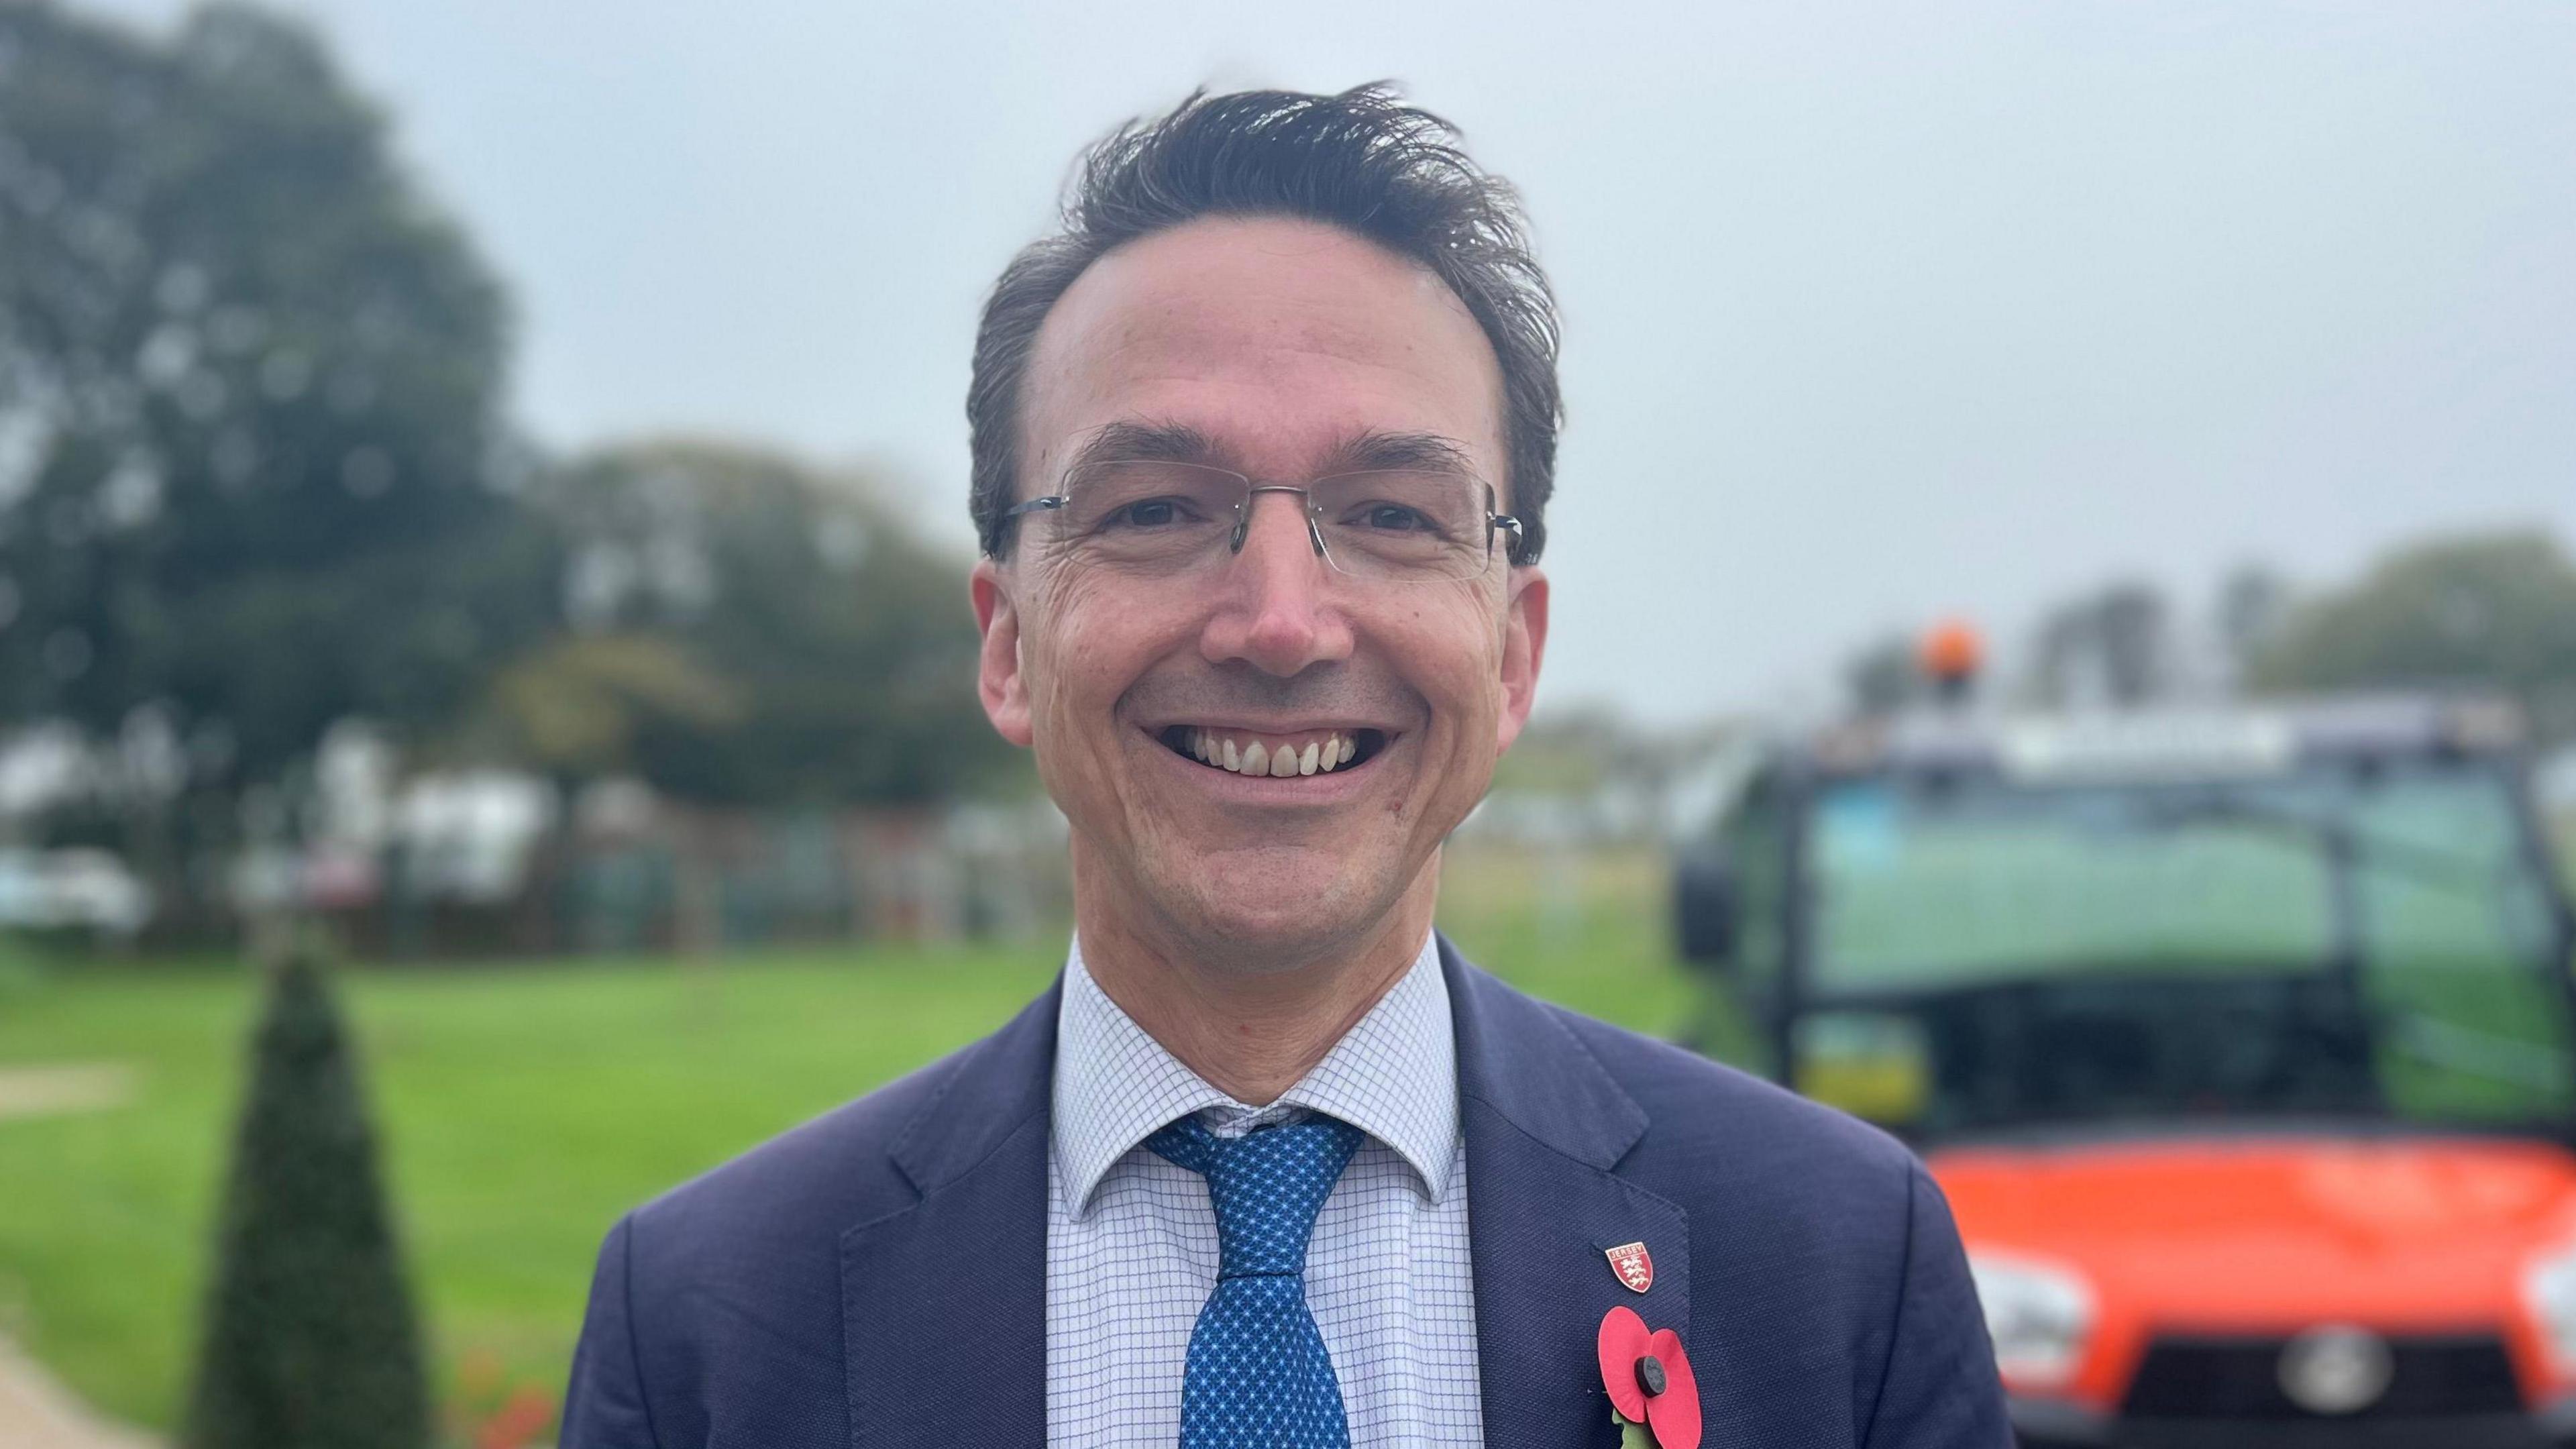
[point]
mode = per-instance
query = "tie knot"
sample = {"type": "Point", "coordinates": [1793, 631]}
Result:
{"type": "Point", "coordinates": [1266, 1186]}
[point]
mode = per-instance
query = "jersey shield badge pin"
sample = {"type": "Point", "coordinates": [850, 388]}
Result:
{"type": "Point", "coordinates": [1635, 1268]}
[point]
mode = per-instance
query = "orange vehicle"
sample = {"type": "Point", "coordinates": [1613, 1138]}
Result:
{"type": "Point", "coordinates": [2240, 1041]}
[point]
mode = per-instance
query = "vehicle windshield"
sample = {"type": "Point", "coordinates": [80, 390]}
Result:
{"type": "Point", "coordinates": [2371, 941]}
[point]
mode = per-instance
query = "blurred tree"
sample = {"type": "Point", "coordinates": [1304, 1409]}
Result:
{"type": "Point", "coordinates": [747, 631]}
{"type": "Point", "coordinates": [2113, 647]}
{"type": "Point", "coordinates": [2495, 612]}
{"type": "Point", "coordinates": [251, 474]}
{"type": "Point", "coordinates": [576, 706]}
{"type": "Point", "coordinates": [310, 1341]}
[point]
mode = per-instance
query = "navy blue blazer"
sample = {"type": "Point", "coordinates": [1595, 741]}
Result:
{"type": "Point", "coordinates": [877, 1277]}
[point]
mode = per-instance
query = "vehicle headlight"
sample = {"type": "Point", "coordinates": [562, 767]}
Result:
{"type": "Point", "coordinates": [2038, 1316]}
{"type": "Point", "coordinates": [2549, 1286]}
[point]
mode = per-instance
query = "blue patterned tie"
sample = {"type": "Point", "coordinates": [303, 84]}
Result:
{"type": "Point", "coordinates": [1258, 1375]}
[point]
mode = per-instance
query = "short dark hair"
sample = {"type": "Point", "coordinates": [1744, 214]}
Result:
{"type": "Point", "coordinates": [1363, 161]}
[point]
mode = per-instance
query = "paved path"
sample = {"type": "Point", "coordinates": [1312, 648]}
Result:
{"type": "Point", "coordinates": [37, 1412]}
{"type": "Point", "coordinates": [65, 1087]}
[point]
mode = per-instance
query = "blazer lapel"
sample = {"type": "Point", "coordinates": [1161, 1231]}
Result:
{"type": "Point", "coordinates": [1544, 1125]}
{"type": "Point", "coordinates": [943, 1302]}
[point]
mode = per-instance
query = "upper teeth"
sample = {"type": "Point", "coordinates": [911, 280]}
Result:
{"type": "Point", "coordinates": [1254, 757]}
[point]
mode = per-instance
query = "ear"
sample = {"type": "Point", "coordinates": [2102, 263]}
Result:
{"type": "Point", "coordinates": [998, 680]}
{"type": "Point", "coordinates": [1524, 643]}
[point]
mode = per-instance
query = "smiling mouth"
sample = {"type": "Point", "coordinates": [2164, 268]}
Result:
{"type": "Point", "coordinates": [1244, 752]}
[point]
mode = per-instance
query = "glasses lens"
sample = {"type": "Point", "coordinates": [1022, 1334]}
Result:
{"type": "Point", "coordinates": [1147, 517]}
{"type": "Point", "coordinates": [1404, 525]}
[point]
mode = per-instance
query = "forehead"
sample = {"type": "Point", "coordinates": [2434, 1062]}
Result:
{"type": "Point", "coordinates": [1278, 340]}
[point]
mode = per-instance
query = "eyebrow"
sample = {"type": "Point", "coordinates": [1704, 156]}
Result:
{"type": "Point", "coordinates": [1371, 450]}
{"type": "Point", "coordinates": [1376, 451]}
{"type": "Point", "coordinates": [1148, 442]}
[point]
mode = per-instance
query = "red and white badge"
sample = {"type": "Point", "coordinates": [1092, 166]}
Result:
{"type": "Point", "coordinates": [1635, 1268]}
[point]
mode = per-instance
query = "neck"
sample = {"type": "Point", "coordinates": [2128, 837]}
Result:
{"type": "Point", "coordinates": [1250, 1034]}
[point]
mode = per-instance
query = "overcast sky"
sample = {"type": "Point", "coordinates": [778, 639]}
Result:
{"type": "Point", "coordinates": [1873, 313]}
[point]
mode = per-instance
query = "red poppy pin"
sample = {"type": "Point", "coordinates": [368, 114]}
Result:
{"type": "Point", "coordinates": [1650, 1382]}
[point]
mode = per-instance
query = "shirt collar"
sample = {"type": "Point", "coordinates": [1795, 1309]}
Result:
{"type": "Point", "coordinates": [1394, 1075]}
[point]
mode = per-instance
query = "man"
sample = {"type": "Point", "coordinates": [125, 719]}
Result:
{"type": "Point", "coordinates": [1262, 445]}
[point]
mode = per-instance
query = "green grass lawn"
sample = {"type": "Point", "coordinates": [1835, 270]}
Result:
{"type": "Point", "coordinates": [523, 1109]}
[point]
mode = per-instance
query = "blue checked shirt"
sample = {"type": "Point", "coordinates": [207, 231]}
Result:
{"type": "Point", "coordinates": [1131, 1240]}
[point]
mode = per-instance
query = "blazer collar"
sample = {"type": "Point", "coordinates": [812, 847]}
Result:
{"type": "Point", "coordinates": [992, 1089]}
{"type": "Point", "coordinates": [943, 1300]}
{"type": "Point", "coordinates": [1516, 1057]}
{"type": "Point", "coordinates": [1546, 1124]}
{"type": "Point", "coordinates": [1570, 1105]}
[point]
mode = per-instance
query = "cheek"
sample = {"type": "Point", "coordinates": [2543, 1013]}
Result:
{"type": "Point", "coordinates": [1452, 648]}
{"type": "Point", "coordinates": [1093, 645]}
{"type": "Point", "coordinates": [1062, 634]}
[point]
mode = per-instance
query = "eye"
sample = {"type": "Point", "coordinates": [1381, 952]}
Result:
{"type": "Point", "coordinates": [1392, 518]}
{"type": "Point", "coordinates": [1148, 513]}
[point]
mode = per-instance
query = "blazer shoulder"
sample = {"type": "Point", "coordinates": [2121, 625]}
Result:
{"type": "Point", "coordinates": [720, 1302]}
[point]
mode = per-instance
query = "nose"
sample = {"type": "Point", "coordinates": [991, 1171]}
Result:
{"type": "Point", "coordinates": [1277, 610]}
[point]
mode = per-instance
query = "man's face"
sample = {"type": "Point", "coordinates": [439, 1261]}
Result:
{"type": "Point", "coordinates": [1281, 347]}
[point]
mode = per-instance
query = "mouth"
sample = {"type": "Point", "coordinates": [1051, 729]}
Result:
{"type": "Point", "coordinates": [1290, 755]}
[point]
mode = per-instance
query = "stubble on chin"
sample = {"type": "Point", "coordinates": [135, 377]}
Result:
{"type": "Point", "coordinates": [1247, 911]}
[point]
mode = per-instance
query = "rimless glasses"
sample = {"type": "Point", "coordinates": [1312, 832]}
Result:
{"type": "Point", "coordinates": [1155, 519]}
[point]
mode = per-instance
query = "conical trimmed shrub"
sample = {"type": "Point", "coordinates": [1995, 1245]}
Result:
{"type": "Point", "coordinates": [310, 1341]}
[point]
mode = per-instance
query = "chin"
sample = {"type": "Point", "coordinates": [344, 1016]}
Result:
{"type": "Point", "coordinates": [1272, 908]}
